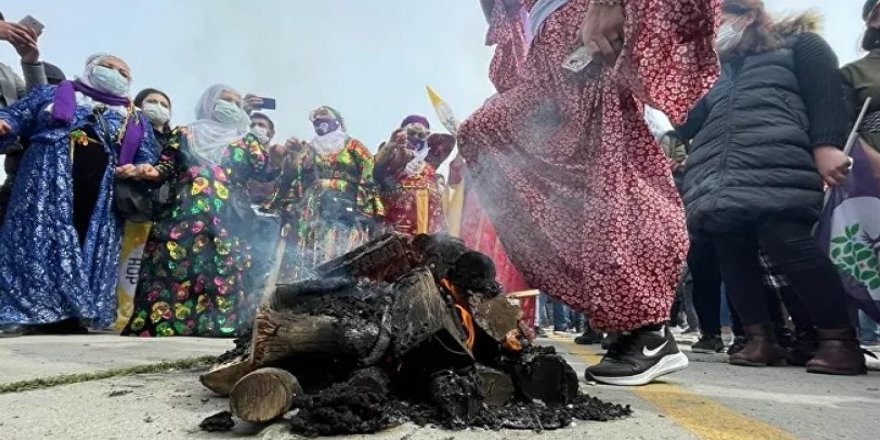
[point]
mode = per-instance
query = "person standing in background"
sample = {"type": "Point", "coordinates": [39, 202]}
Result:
{"type": "Point", "coordinates": [83, 135]}
{"type": "Point", "coordinates": [406, 172]}
{"type": "Point", "coordinates": [156, 105]}
{"type": "Point", "coordinates": [328, 201]}
{"type": "Point", "coordinates": [193, 274]}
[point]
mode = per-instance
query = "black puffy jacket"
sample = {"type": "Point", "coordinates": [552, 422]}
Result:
{"type": "Point", "coordinates": [751, 150]}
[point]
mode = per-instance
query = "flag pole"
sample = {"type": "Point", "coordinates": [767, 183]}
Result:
{"type": "Point", "coordinates": [850, 142]}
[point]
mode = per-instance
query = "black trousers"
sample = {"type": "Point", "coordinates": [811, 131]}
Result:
{"type": "Point", "coordinates": [706, 276]}
{"type": "Point", "coordinates": [790, 245]}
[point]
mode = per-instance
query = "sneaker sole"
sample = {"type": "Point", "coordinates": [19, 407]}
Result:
{"type": "Point", "coordinates": [705, 350]}
{"type": "Point", "coordinates": [669, 364]}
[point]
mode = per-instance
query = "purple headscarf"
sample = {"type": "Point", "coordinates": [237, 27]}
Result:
{"type": "Point", "coordinates": [64, 107]}
{"type": "Point", "coordinates": [415, 119]}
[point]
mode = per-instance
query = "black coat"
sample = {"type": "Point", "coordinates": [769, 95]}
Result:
{"type": "Point", "coordinates": [751, 154]}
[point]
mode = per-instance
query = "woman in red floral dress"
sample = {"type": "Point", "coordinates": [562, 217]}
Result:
{"type": "Point", "coordinates": [565, 165]}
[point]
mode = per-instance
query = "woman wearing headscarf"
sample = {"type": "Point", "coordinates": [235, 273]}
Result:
{"type": "Point", "coordinates": [569, 172]}
{"type": "Point", "coordinates": [156, 106]}
{"type": "Point", "coordinates": [762, 141]}
{"type": "Point", "coordinates": [327, 198]}
{"type": "Point", "coordinates": [192, 274]}
{"type": "Point", "coordinates": [406, 172]}
{"type": "Point", "coordinates": [59, 245]}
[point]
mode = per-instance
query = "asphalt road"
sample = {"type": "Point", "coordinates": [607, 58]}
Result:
{"type": "Point", "coordinates": [711, 399]}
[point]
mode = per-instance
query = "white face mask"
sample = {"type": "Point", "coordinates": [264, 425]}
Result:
{"type": "Point", "coordinates": [110, 80]}
{"type": "Point", "coordinates": [228, 113]}
{"type": "Point", "coordinates": [156, 113]}
{"type": "Point", "coordinates": [728, 37]}
{"type": "Point", "coordinates": [261, 133]}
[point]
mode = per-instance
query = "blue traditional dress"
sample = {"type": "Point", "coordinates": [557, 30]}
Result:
{"type": "Point", "coordinates": [46, 276]}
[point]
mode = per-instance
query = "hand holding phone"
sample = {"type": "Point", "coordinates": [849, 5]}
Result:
{"type": "Point", "coordinates": [32, 24]}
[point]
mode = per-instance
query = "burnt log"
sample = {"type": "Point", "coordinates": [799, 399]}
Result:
{"type": "Point", "coordinates": [425, 329]}
{"type": "Point", "coordinates": [456, 396]}
{"type": "Point", "coordinates": [280, 335]}
{"type": "Point", "coordinates": [544, 375]}
{"type": "Point", "coordinates": [264, 395]}
{"type": "Point", "coordinates": [222, 377]}
{"type": "Point", "coordinates": [495, 386]}
{"type": "Point", "coordinates": [496, 316]}
{"type": "Point", "coordinates": [385, 259]}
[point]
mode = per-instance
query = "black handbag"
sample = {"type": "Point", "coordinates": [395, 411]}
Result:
{"type": "Point", "coordinates": [137, 201]}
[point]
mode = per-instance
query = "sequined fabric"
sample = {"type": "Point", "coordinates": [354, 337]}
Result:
{"type": "Point", "coordinates": [45, 276]}
{"type": "Point", "coordinates": [192, 280]}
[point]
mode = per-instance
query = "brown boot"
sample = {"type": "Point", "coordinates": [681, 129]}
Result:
{"type": "Point", "coordinates": [761, 349]}
{"type": "Point", "coordinates": [839, 353]}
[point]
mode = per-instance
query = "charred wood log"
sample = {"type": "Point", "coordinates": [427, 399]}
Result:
{"type": "Point", "coordinates": [384, 259]}
{"type": "Point", "coordinates": [544, 375]}
{"type": "Point", "coordinates": [222, 377]}
{"type": "Point", "coordinates": [437, 252]}
{"type": "Point", "coordinates": [495, 386]}
{"type": "Point", "coordinates": [424, 327]}
{"type": "Point", "coordinates": [280, 335]}
{"type": "Point", "coordinates": [456, 396]}
{"type": "Point", "coordinates": [264, 395]}
{"type": "Point", "coordinates": [290, 296]}
{"type": "Point", "coordinates": [496, 316]}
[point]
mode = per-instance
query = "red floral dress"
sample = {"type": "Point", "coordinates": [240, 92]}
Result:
{"type": "Point", "coordinates": [565, 165]}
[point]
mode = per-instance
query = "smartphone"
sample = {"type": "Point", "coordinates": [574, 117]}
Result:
{"type": "Point", "coordinates": [268, 104]}
{"type": "Point", "coordinates": [578, 60]}
{"type": "Point", "coordinates": [32, 23]}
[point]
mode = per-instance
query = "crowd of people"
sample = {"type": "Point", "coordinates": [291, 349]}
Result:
{"type": "Point", "coordinates": [558, 179]}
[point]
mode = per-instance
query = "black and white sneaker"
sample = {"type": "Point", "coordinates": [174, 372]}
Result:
{"type": "Point", "coordinates": [708, 344]}
{"type": "Point", "coordinates": [638, 358]}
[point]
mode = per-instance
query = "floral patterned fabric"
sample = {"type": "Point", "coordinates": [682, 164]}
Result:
{"type": "Point", "coordinates": [46, 276]}
{"type": "Point", "coordinates": [328, 204]}
{"type": "Point", "coordinates": [192, 273]}
{"type": "Point", "coordinates": [565, 165]}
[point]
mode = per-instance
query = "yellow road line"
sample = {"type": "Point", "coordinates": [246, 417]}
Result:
{"type": "Point", "coordinates": [706, 418]}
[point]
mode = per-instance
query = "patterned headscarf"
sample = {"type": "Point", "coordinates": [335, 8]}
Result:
{"type": "Point", "coordinates": [326, 109]}
{"type": "Point", "coordinates": [333, 142]}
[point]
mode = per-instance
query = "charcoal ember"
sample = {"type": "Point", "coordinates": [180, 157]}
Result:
{"type": "Point", "coordinates": [386, 258]}
{"type": "Point", "coordinates": [342, 409]}
{"type": "Point", "coordinates": [220, 422]}
{"type": "Point", "coordinates": [242, 348]}
{"type": "Point", "coordinates": [423, 325]}
{"type": "Point", "coordinates": [438, 252]}
{"type": "Point", "coordinates": [457, 396]}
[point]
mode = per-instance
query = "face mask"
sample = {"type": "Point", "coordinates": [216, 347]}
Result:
{"type": "Point", "coordinates": [728, 37]}
{"type": "Point", "coordinates": [325, 126]}
{"type": "Point", "coordinates": [228, 113]}
{"type": "Point", "coordinates": [416, 143]}
{"type": "Point", "coordinates": [261, 133]}
{"type": "Point", "coordinates": [157, 114]}
{"type": "Point", "coordinates": [110, 81]}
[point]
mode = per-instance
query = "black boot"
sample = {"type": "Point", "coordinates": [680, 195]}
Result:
{"type": "Point", "coordinates": [589, 337]}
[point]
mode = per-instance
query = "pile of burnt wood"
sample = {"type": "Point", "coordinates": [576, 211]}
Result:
{"type": "Point", "coordinates": [397, 327]}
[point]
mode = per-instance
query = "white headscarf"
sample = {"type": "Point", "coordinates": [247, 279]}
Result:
{"type": "Point", "coordinates": [86, 78]}
{"type": "Point", "coordinates": [208, 139]}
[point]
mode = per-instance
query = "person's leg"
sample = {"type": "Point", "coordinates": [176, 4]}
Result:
{"type": "Point", "coordinates": [706, 293]}
{"type": "Point", "coordinates": [693, 321]}
{"type": "Point", "coordinates": [743, 277]}
{"type": "Point", "coordinates": [560, 316]}
{"type": "Point", "coordinates": [817, 283]}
